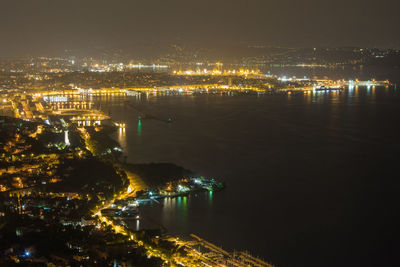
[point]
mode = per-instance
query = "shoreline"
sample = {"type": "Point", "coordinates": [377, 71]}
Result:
{"type": "Point", "coordinates": [183, 187]}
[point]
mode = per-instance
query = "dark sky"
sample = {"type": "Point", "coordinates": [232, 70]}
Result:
{"type": "Point", "coordinates": [49, 26]}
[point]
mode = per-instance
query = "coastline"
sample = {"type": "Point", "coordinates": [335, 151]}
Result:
{"type": "Point", "coordinates": [146, 185]}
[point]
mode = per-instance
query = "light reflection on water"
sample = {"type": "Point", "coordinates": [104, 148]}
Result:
{"type": "Point", "coordinates": [292, 167]}
{"type": "Point", "coordinates": [122, 137]}
{"type": "Point", "coordinates": [139, 127]}
{"type": "Point", "coordinates": [175, 208]}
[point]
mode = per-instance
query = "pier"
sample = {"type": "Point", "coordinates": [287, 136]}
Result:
{"type": "Point", "coordinates": [143, 115]}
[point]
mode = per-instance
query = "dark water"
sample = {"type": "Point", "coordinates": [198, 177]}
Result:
{"type": "Point", "coordinates": [312, 180]}
{"type": "Point", "coordinates": [360, 72]}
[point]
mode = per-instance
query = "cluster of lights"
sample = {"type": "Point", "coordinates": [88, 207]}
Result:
{"type": "Point", "coordinates": [240, 72]}
{"type": "Point", "coordinates": [55, 98]}
{"type": "Point", "coordinates": [122, 66]}
{"type": "Point", "coordinates": [120, 125]}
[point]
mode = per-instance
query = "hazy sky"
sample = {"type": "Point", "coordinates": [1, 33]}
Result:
{"type": "Point", "coordinates": [40, 26]}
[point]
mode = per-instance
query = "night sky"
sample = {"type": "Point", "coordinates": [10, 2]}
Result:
{"type": "Point", "coordinates": [50, 26]}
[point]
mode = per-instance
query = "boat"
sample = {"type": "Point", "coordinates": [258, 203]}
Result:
{"type": "Point", "coordinates": [328, 88]}
{"type": "Point", "coordinates": [130, 211]}
{"type": "Point", "coordinates": [111, 212]}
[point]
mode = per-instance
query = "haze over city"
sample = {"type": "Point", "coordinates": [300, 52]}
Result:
{"type": "Point", "coordinates": [44, 27]}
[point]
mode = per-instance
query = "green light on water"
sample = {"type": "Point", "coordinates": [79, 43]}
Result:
{"type": "Point", "coordinates": [139, 127]}
{"type": "Point", "coordinates": [395, 86]}
{"type": "Point", "coordinates": [184, 207]}
{"type": "Point", "coordinates": [184, 202]}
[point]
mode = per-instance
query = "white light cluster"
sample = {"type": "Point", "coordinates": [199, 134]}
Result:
{"type": "Point", "coordinates": [55, 98]}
